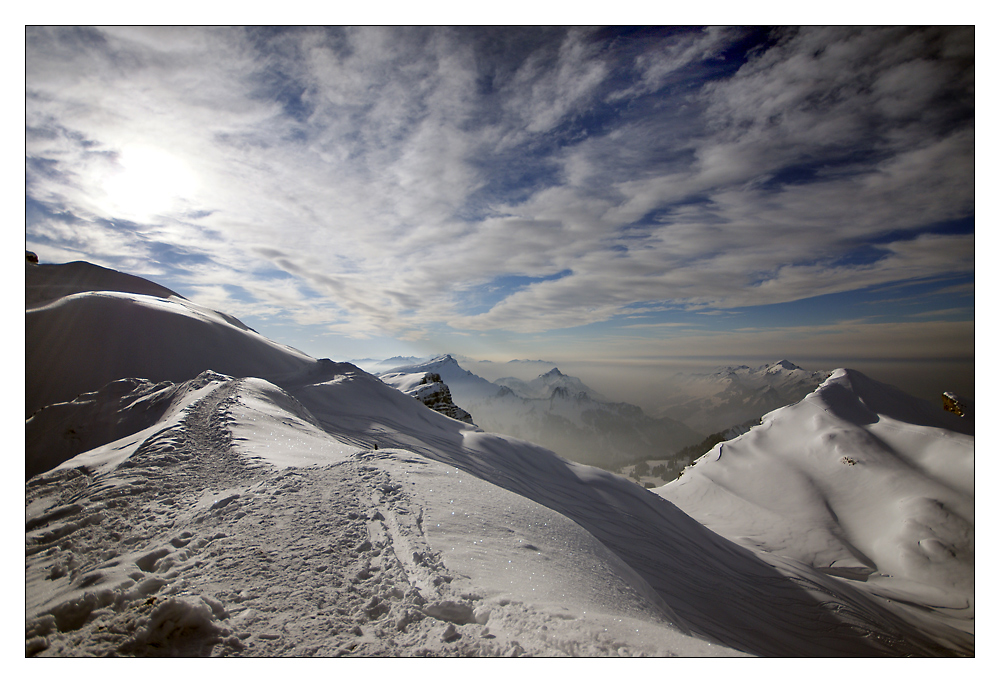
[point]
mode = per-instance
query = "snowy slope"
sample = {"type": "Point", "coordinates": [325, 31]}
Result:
{"type": "Point", "coordinates": [728, 396]}
{"type": "Point", "coordinates": [57, 432]}
{"type": "Point", "coordinates": [238, 526]}
{"type": "Point", "coordinates": [128, 334]}
{"type": "Point", "coordinates": [332, 514]}
{"type": "Point", "coordinates": [860, 481]}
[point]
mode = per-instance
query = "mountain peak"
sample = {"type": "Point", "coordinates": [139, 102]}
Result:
{"type": "Point", "coordinates": [552, 374]}
{"type": "Point", "coordinates": [783, 365]}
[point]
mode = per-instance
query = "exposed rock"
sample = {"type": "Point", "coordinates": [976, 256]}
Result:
{"type": "Point", "coordinates": [961, 406]}
{"type": "Point", "coordinates": [429, 389]}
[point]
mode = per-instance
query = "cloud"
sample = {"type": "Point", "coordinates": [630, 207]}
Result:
{"type": "Point", "coordinates": [390, 174]}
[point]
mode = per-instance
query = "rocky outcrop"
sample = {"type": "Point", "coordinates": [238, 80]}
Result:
{"type": "Point", "coordinates": [429, 389]}
{"type": "Point", "coordinates": [960, 405]}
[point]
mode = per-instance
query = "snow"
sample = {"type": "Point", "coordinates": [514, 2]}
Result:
{"type": "Point", "coordinates": [158, 339]}
{"type": "Point", "coordinates": [269, 425]}
{"type": "Point", "coordinates": [304, 507]}
{"type": "Point", "coordinates": [857, 480]}
{"type": "Point", "coordinates": [407, 382]}
{"type": "Point", "coordinates": [106, 458]}
{"type": "Point", "coordinates": [454, 563]}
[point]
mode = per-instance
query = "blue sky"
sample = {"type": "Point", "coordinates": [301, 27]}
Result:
{"type": "Point", "coordinates": [578, 194]}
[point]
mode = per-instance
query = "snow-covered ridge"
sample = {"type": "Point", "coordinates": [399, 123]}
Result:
{"type": "Point", "coordinates": [57, 432]}
{"type": "Point", "coordinates": [319, 511]}
{"type": "Point", "coordinates": [857, 480]}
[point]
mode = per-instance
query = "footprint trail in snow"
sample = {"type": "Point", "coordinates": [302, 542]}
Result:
{"type": "Point", "coordinates": [195, 546]}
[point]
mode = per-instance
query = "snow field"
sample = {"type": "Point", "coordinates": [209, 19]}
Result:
{"type": "Point", "coordinates": [235, 553]}
{"type": "Point", "coordinates": [292, 507]}
{"type": "Point", "coordinates": [885, 503]}
{"type": "Point", "coordinates": [504, 550]}
{"type": "Point", "coordinates": [270, 426]}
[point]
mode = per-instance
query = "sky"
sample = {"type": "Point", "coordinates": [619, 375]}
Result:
{"type": "Point", "coordinates": [604, 197]}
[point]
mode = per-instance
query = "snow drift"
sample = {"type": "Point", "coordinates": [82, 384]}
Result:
{"type": "Point", "coordinates": [84, 340]}
{"type": "Point", "coordinates": [300, 507]}
{"type": "Point", "coordinates": [858, 480]}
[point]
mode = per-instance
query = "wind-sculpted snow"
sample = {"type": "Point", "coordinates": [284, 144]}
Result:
{"type": "Point", "coordinates": [859, 481]}
{"type": "Point", "coordinates": [46, 283]}
{"type": "Point", "coordinates": [83, 341]}
{"type": "Point", "coordinates": [211, 538]}
{"type": "Point", "coordinates": [303, 507]}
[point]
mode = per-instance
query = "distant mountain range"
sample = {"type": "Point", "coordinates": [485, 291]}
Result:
{"type": "Point", "coordinates": [718, 400]}
{"type": "Point", "coordinates": [196, 489]}
{"type": "Point", "coordinates": [545, 384]}
{"type": "Point", "coordinates": [559, 412]}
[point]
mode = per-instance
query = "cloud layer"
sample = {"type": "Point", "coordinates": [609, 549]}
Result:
{"type": "Point", "coordinates": [402, 182]}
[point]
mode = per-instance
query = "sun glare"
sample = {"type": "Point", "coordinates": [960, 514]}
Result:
{"type": "Point", "coordinates": [149, 182]}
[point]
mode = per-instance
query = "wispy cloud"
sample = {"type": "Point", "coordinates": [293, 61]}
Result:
{"type": "Point", "coordinates": [370, 181]}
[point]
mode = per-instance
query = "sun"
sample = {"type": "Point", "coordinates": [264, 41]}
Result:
{"type": "Point", "coordinates": [149, 182]}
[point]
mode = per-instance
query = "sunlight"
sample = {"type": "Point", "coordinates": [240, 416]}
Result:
{"type": "Point", "coordinates": [151, 181]}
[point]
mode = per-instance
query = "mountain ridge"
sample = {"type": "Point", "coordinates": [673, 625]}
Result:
{"type": "Point", "coordinates": [723, 397]}
{"type": "Point", "coordinates": [561, 413]}
{"type": "Point", "coordinates": [253, 509]}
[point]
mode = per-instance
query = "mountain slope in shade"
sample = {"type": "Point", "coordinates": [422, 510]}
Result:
{"type": "Point", "coordinates": [45, 283]}
{"type": "Point", "coordinates": [563, 416]}
{"type": "Point", "coordinates": [547, 382]}
{"type": "Point", "coordinates": [260, 519]}
{"type": "Point", "coordinates": [857, 480]}
{"type": "Point", "coordinates": [729, 396]}
{"type": "Point", "coordinates": [134, 334]}
{"type": "Point", "coordinates": [59, 431]}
